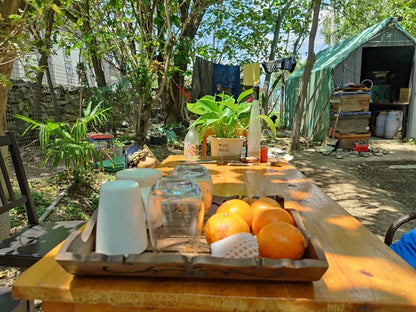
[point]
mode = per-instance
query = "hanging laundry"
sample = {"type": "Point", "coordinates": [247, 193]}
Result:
{"type": "Point", "coordinates": [226, 77]}
{"type": "Point", "coordinates": [287, 63]}
{"type": "Point", "coordinates": [251, 74]}
{"type": "Point", "coordinates": [202, 78]}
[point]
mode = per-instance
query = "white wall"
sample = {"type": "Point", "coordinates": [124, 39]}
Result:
{"type": "Point", "coordinates": [63, 69]}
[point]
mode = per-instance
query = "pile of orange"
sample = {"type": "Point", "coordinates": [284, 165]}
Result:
{"type": "Point", "coordinates": [275, 229]}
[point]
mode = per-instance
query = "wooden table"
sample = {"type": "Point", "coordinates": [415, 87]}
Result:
{"type": "Point", "coordinates": [363, 274]}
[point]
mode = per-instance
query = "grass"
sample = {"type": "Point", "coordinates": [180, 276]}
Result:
{"type": "Point", "coordinates": [77, 204]}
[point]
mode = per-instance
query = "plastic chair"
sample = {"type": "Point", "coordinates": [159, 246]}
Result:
{"type": "Point", "coordinates": [34, 241]}
{"type": "Point", "coordinates": [388, 239]}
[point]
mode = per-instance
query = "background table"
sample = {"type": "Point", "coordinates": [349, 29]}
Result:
{"type": "Point", "coordinates": [363, 275]}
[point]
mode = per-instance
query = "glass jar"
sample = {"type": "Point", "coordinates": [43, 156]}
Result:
{"type": "Point", "coordinates": [201, 176]}
{"type": "Point", "coordinates": [175, 215]}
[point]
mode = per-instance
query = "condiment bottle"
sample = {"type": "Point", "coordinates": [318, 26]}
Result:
{"type": "Point", "coordinates": [191, 145]}
{"type": "Point", "coordinates": [254, 130]}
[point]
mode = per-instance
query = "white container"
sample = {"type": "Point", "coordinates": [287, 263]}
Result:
{"type": "Point", "coordinates": [380, 124]}
{"type": "Point", "coordinates": [392, 124]}
{"type": "Point", "coordinates": [226, 148]}
{"type": "Point", "coordinates": [121, 227]}
{"type": "Point", "coordinates": [146, 177]}
{"type": "Point", "coordinates": [254, 130]}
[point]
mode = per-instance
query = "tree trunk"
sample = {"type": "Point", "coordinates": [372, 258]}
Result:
{"type": "Point", "coordinates": [310, 61]}
{"type": "Point", "coordinates": [174, 104]}
{"type": "Point", "coordinates": [7, 57]}
{"type": "Point", "coordinates": [96, 61]}
{"type": "Point", "coordinates": [43, 64]}
{"type": "Point", "coordinates": [266, 85]}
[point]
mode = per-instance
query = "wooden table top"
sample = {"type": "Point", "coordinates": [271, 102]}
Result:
{"type": "Point", "coordinates": [363, 275]}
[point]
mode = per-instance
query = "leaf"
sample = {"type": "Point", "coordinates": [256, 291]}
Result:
{"type": "Point", "coordinates": [56, 8]}
{"type": "Point", "coordinates": [15, 16]}
{"type": "Point", "coordinates": [244, 94]}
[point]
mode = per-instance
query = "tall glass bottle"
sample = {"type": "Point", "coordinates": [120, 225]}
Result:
{"type": "Point", "coordinates": [254, 130]}
{"type": "Point", "coordinates": [191, 145]}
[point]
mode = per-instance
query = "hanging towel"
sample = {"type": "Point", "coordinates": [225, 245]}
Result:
{"type": "Point", "coordinates": [201, 78]}
{"type": "Point", "coordinates": [287, 63]}
{"type": "Point", "coordinates": [251, 74]}
{"type": "Point", "coordinates": [228, 77]}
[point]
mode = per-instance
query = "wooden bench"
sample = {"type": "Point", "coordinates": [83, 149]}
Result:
{"type": "Point", "coordinates": [28, 245]}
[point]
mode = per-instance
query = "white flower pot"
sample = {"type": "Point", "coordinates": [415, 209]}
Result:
{"type": "Point", "coordinates": [226, 148]}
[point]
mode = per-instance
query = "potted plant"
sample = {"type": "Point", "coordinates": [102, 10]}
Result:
{"type": "Point", "coordinates": [227, 120]}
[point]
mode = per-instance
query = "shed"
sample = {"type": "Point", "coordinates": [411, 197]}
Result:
{"type": "Point", "coordinates": [383, 53]}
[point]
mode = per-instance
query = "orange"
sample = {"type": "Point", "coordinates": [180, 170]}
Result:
{"type": "Point", "coordinates": [266, 216]}
{"type": "Point", "coordinates": [281, 240]}
{"type": "Point", "coordinates": [238, 206]}
{"type": "Point", "coordinates": [264, 203]}
{"type": "Point", "coordinates": [222, 225]}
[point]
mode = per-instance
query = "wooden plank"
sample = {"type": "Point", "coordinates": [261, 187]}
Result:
{"type": "Point", "coordinates": [77, 256]}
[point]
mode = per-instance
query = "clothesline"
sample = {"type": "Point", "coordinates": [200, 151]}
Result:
{"type": "Point", "coordinates": [210, 78]}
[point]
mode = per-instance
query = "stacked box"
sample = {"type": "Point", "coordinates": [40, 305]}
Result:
{"type": "Point", "coordinates": [350, 102]}
{"type": "Point", "coordinates": [351, 122]}
{"type": "Point", "coordinates": [347, 141]}
{"type": "Point", "coordinates": [350, 118]}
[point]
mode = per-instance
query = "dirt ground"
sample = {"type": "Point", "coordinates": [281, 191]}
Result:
{"type": "Point", "coordinates": [376, 189]}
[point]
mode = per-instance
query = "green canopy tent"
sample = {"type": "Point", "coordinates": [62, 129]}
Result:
{"type": "Point", "coordinates": [383, 46]}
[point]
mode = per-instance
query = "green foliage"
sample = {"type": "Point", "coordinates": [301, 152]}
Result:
{"type": "Point", "coordinates": [243, 28]}
{"type": "Point", "coordinates": [67, 143]}
{"type": "Point", "coordinates": [352, 16]}
{"type": "Point", "coordinates": [118, 98]}
{"type": "Point", "coordinates": [225, 117]}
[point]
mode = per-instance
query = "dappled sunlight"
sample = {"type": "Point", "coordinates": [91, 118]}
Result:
{"type": "Point", "coordinates": [346, 222]}
{"type": "Point", "coordinates": [299, 195]}
{"type": "Point", "coordinates": [296, 205]}
{"type": "Point", "coordinates": [369, 275]}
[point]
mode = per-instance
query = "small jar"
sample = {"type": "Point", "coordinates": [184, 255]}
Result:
{"type": "Point", "coordinates": [175, 215]}
{"type": "Point", "coordinates": [201, 176]}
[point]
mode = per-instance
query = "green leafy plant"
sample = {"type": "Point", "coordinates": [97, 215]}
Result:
{"type": "Point", "coordinates": [67, 143]}
{"type": "Point", "coordinates": [226, 117]}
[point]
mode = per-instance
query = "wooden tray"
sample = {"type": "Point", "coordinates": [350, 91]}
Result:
{"type": "Point", "coordinates": [77, 256]}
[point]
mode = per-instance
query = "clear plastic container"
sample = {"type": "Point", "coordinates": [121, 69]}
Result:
{"type": "Point", "coordinates": [191, 145]}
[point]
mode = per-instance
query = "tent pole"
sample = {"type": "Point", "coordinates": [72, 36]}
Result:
{"type": "Point", "coordinates": [310, 100]}
{"type": "Point", "coordinates": [322, 113]}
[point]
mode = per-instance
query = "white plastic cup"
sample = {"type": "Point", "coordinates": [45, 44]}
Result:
{"type": "Point", "coordinates": [146, 177]}
{"type": "Point", "coordinates": [121, 226]}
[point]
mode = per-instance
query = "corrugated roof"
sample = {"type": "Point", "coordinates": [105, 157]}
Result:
{"type": "Point", "coordinates": [334, 55]}
{"type": "Point", "coordinates": [317, 119]}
